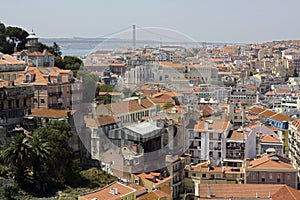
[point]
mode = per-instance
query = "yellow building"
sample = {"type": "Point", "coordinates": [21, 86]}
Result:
{"type": "Point", "coordinates": [203, 173]}
{"type": "Point", "coordinates": [153, 180]}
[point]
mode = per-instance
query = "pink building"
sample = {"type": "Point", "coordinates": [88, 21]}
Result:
{"type": "Point", "coordinates": [54, 88]}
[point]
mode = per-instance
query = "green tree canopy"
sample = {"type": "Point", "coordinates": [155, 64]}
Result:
{"type": "Point", "coordinates": [11, 37]}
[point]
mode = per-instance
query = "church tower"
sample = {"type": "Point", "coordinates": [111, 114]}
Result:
{"type": "Point", "coordinates": [32, 42]}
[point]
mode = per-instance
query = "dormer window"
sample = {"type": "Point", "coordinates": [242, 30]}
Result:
{"type": "Point", "coordinates": [27, 78]}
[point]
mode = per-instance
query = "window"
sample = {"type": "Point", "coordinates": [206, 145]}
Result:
{"type": "Point", "coordinates": [42, 101]}
{"type": "Point", "coordinates": [194, 174]}
{"type": "Point", "coordinates": [186, 174]}
{"type": "Point", "coordinates": [278, 178]}
{"type": "Point", "coordinates": [288, 177]}
{"type": "Point", "coordinates": [270, 176]}
{"type": "Point", "coordinates": [203, 175]}
{"type": "Point", "coordinates": [263, 178]}
{"type": "Point", "coordinates": [35, 100]}
{"type": "Point", "coordinates": [253, 176]}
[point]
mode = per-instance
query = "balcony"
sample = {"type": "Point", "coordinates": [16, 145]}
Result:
{"type": "Point", "coordinates": [195, 148]}
{"type": "Point", "coordinates": [55, 93]}
{"type": "Point", "coordinates": [217, 148]}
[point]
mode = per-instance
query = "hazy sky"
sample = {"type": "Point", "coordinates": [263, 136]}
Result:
{"type": "Point", "coordinates": [203, 20]}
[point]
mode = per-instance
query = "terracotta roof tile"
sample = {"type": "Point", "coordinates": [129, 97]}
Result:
{"type": "Point", "coordinates": [257, 110]}
{"type": "Point", "coordinates": [249, 191]}
{"type": "Point", "coordinates": [10, 60]}
{"type": "Point", "coordinates": [171, 64]}
{"type": "Point", "coordinates": [296, 123]}
{"type": "Point", "coordinates": [105, 193]}
{"type": "Point", "coordinates": [216, 125]}
{"type": "Point", "coordinates": [266, 162]}
{"type": "Point", "coordinates": [50, 113]}
{"type": "Point", "coordinates": [268, 138]}
{"type": "Point", "coordinates": [280, 117]}
{"type": "Point", "coordinates": [129, 106]}
{"type": "Point", "coordinates": [236, 135]}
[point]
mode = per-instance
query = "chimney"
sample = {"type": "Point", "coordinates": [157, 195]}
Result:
{"type": "Point", "coordinates": [139, 100]}
{"type": "Point", "coordinates": [135, 148]}
{"type": "Point", "coordinates": [208, 192]}
{"type": "Point", "coordinates": [205, 125]}
{"type": "Point", "coordinates": [197, 190]}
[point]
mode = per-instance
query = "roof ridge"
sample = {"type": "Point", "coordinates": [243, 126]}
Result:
{"type": "Point", "coordinates": [263, 161]}
{"type": "Point", "coordinates": [290, 192]}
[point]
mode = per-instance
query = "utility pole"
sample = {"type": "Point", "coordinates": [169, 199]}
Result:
{"type": "Point", "coordinates": [133, 36]}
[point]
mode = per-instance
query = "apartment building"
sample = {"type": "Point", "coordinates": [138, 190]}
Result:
{"type": "Point", "coordinates": [294, 145]}
{"type": "Point", "coordinates": [129, 110]}
{"type": "Point", "coordinates": [10, 67]}
{"type": "Point", "coordinates": [235, 148]}
{"type": "Point", "coordinates": [244, 192]}
{"type": "Point", "coordinates": [15, 103]}
{"type": "Point", "coordinates": [54, 88]}
{"type": "Point", "coordinates": [205, 173]}
{"type": "Point", "coordinates": [247, 93]}
{"type": "Point", "coordinates": [176, 165]}
{"type": "Point", "coordinates": [271, 169]}
{"type": "Point", "coordinates": [208, 141]}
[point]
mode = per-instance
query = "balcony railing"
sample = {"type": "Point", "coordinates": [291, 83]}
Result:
{"type": "Point", "coordinates": [55, 93]}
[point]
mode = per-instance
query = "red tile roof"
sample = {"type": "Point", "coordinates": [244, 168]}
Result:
{"type": "Point", "coordinates": [268, 138]}
{"type": "Point", "coordinates": [10, 60]}
{"type": "Point", "coordinates": [50, 113]}
{"type": "Point", "coordinates": [296, 123]}
{"type": "Point", "coordinates": [216, 125]}
{"type": "Point", "coordinates": [249, 191]}
{"type": "Point", "coordinates": [129, 106]}
{"type": "Point", "coordinates": [266, 162]}
{"type": "Point", "coordinates": [236, 135]}
{"type": "Point", "coordinates": [105, 194]}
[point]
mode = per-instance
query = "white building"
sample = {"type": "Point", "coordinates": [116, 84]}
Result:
{"type": "Point", "coordinates": [208, 141]}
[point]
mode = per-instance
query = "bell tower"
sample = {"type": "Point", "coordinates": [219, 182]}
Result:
{"type": "Point", "coordinates": [32, 42]}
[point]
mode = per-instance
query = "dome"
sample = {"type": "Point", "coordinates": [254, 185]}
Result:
{"type": "Point", "coordinates": [32, 36]}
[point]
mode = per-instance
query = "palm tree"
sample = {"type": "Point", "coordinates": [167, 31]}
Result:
{"type": "Point", "coordinates": [17, 156]}
{"type": "Point", "coordinates": [40, 150]}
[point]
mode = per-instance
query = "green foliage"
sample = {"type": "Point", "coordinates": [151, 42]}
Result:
{"type": "Point", "coordinates": [168, 105]}
{"type": "Point", "coordinates": [46, 154]}
{"type": "Point", "coordinates": [11, 37]}
{"type": "Point", "coordinates": [17, 155]}
{"type": "Point", "coordinates": [105, 88]}
{"type": "Point", "coordinates": [68, 62]}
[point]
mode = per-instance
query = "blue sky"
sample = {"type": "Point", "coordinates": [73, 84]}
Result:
{"type": "Point", "coordinates": [203, 20]}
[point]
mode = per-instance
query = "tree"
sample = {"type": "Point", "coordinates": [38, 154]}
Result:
{"type": "Point", "coordinates": [11, 37]}
{"type": "Point", "coordinates": [16, 37]}
{"type": "Point", "coordinates": [40, 150]}
{"type": "Point", "coordinates": [56, 49]}
{"type": "Point", "coordinates": [60, 161]}
{"type": "Point", "coordinates": [17, 155]}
